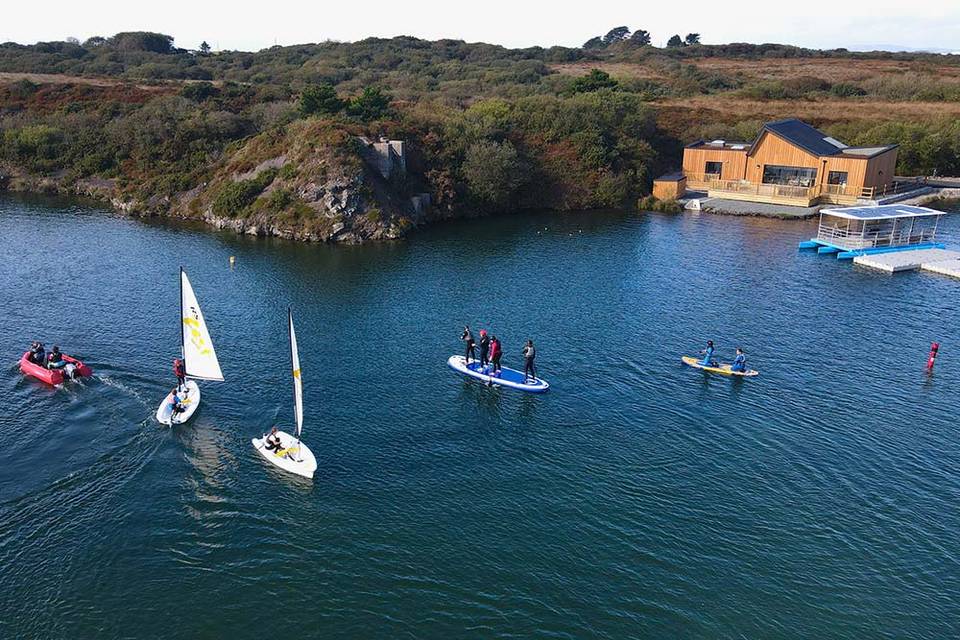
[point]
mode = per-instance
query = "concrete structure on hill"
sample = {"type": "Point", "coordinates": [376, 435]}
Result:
{"type": "Point", "coordinates": [388, 157]}
{"type": "Point", "coordinates": [791, 163]}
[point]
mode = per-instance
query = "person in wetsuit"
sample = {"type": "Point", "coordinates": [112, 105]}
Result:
{"type": "Point", "coordinates": [176, 402]}
{"type": "Point", "coordinates": [529, 353]}
{"type": "Point", "coordinates": [708, 360]}
{"type": "Point", "coordinates": [471, 350]}
{"type": "Point", "coordinates": [179, 370]}
{"type": "Point", "coordinates": [740, 362]}
{"type": "Point", "coordinates": [273, 441]}
{"type": "Point", "coordinates": [496, 352]}
{"type": "Point", "coordinates": [484, 348]}
{"type": "Point", "coordinates": [37, 354]}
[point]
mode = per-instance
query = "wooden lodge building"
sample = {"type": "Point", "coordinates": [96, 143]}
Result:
{"type": "Point", "coordinates": [789, 163]}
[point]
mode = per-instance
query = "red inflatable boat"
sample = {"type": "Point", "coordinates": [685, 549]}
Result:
{"type": "Point", "coordinates": [52, 376]}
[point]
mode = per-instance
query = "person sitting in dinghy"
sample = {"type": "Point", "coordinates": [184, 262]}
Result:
{"type": "Point", "coordinates": [55, 359]}
{"type": "Point", "coordinates": [37, 354]}
{"type": "Point", "coordinates": [176, 402]}
{"type": "Point", "coordinates": [740, 362]}
{"type": "Point", "coordinates": [273, 442]}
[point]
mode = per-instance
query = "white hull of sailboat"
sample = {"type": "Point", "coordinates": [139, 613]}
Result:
{"type": "Point", "coordinates": [190, 402]}
{"type": "Point", "coordinates": [294, 458]}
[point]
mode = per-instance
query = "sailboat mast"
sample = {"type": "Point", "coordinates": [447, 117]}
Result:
{"type": "Point", "coordinates": [293, 369]}
{"type": "Point", "coordinates": [183, 355]}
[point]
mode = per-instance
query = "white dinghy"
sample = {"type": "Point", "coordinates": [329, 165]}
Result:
{"type": "Point", "coordinates": [199, 359]}
{"type": "Point", "coordinates": [293, 455]}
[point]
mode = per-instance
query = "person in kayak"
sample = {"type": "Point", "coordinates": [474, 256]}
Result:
{"type": "Point", "coordinates": [55, 359]}
{"type": "Point", "coordinates": [740, 362]}
{"type": "Point", "coordinates": [529, 353]}
{"type": "Point", "coordinates": [467, 338]}
{"type": "Point", "coordinates": [273, 441]}
{"type": "Point", "coordinates": [179, 371]}
{"type": "Point", "coordinates": [496, 352]}
{"type": "Point", "coordinates": [708, 360]}
{"type": "Point", "coordinates": [484, 348]}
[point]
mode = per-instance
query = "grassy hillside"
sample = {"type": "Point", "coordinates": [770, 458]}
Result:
{"type": "Point", "coordinates": [489, 128]}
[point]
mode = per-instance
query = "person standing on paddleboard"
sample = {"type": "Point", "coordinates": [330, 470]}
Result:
{"type": "Point", "coordinates": [178, 370]}
{"type": "Point", "coordinates": [484, 348]}
{"type": "Point", "coordinates": [708, 355]}
{"type": "Point", "coordinates": [496, 352]}
{"type": "Point", "coordinates": [529, 353]}
{"type": "Point", "coordinates": [467, 338]}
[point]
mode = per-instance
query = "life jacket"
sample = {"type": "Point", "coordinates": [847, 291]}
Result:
{"type": "Point", "coordinates": [54, 357]}
{"type": "Point", "coordinates": [495, 349]}
{"type": "Point", "coordinates": [178, 369]}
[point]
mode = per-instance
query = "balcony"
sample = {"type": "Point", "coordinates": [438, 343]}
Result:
{"type": "Point", "coordinates": [793, 195]}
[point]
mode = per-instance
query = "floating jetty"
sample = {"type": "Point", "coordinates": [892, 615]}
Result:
{"type": "Point", "coordinates": [889, 238]}
{"type": "Point", "coordinates": [934, 260]}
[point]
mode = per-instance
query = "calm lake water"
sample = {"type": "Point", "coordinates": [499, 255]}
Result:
{"type": "Point", "coordinates": [638, 498]}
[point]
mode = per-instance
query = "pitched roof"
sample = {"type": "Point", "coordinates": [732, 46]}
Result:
{"type": "Point", "coordinates": [804, 136]}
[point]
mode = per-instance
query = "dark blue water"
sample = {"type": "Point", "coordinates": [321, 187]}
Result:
{"type": "Point", "coordinates": [638, 498]}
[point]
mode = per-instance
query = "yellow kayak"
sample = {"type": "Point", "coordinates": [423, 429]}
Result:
{"type": "Point", "coordinates": [723, 369]}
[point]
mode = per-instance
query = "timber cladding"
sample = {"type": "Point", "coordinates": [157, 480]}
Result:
{"type": "Point", "coordinates": [793, 145]}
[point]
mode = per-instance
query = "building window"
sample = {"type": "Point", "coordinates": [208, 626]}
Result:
{"type": "Point", "coordinates": [837, 177]}
{"type": "Point", "coordinates": [714, 168]}
{"type": "Point", "coordinates": [794, 176]}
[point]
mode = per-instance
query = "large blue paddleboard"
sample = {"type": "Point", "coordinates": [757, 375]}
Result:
{"type": "Point", "coordinates": [507, 377]}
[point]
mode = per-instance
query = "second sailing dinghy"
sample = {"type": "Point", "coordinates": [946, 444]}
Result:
{"type": "Point", "coordinates": [292, 455]}
{"type": "Point", "coordinates": [199, 359]}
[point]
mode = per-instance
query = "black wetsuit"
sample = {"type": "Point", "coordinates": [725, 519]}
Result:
{"type": "Point", "coordinates": [484, 350]}
{"type": "Point", "coordinates": [467, 337]}
{"type": "Point", "coordinates": [529, 353]}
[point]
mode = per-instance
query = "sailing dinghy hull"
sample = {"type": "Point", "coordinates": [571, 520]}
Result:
{"type": "Point", "coordinates": [297, 459]}
{"type": "Point", "coordinates": [190, 404]}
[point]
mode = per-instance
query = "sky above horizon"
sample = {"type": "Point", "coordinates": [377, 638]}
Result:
{"type": "Point", "coordinates": [856, 24]}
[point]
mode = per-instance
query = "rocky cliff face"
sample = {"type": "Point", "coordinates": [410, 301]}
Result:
{"type": "Point", "coordinates": [307, 183]}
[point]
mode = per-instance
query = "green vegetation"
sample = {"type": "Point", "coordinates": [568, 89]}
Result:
{"type": "Point", "coordinates": [234, 197]}
{"type": "Point", "coordinates": [488, 128]}
{"type": "Point", "coordinates": [651, 203]}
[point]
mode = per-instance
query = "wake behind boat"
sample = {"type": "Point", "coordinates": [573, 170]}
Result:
{"type": "Point", "coordinates": [280, 448]}
{"type": "Point", "coordinates": [506, 378]}
{"type": "Point", "coordinates": [198, 360]}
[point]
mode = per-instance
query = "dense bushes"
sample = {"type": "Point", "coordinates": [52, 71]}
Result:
{"type": "Point", "coordinates": [234, 197]}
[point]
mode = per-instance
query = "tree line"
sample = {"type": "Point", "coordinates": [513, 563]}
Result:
{"type": "Point", "coordinates": [640, 38]}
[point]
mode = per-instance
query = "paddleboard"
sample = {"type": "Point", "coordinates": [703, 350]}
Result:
{"type": "Point", "coordinates": [190, 403]}
{"type": "Point", "coordinates": [723, 369]}
{"type": "Point", "coordinates": [294, 458]}
{"type": "Point", "coordinates": [506, 378]}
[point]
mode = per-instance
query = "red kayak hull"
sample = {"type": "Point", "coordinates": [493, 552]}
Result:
{"type": "Point", "coordinates": [51, 376]}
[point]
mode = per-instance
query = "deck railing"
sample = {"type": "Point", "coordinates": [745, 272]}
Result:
{"type": "Point", "coordinates": [858, 239]}
{"type": "Point", "coordinates": [835, 193]}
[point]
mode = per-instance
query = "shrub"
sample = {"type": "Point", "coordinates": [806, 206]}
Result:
{"type": "Point", "coordinates": [320, 99]}
{"type": "Point", "coordinates": [651, 203]}
{"type": "Point", "coordinates": [235, 197]}
{"type": "Point", "coordinates": [593, 81]}
{"type": "Point", "coordinates": [847, 90]}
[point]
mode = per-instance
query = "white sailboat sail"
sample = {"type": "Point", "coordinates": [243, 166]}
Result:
{"type": "Point", "coordinates": [297, 381]}
{"type": "Point", "coordinates": [198, 354]}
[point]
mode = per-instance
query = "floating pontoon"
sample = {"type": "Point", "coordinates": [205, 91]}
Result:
{"type": "Point", "coordinates": [857, 231]}
{"type": "Point", "coordinates": [889, 238]}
